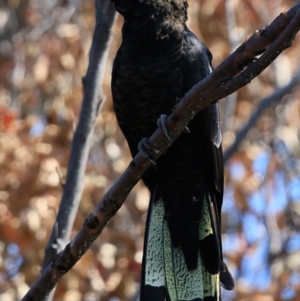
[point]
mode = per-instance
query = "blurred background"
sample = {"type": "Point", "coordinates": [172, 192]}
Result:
{"type": "Point", "coordinates": [44, 46]}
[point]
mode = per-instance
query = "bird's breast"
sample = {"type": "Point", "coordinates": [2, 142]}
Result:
{"type": "Point", "coordinates": [145, 87]}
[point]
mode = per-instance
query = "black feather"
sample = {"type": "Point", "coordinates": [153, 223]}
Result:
{"type": "Point", "coordinates": [159, 60]}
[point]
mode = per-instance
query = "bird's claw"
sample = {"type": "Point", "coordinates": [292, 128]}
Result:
{"type": "Point", "coordinates": [162, 124]}
{"type": "Point", "coordinates": [144, 148]}
{"type": "Point", "coordinates": [187, 130]}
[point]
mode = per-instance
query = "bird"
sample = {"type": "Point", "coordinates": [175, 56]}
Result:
{"type": "Point", "coordinates": [157, 63]}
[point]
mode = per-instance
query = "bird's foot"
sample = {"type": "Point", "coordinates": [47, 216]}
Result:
{"type": "Point", "coordinates": [144, 148]}
{"type": "Point", "coordinates": [162, 124]}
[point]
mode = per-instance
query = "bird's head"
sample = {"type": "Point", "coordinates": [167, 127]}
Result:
{"type": "Point", "coordinates": [149, 8]}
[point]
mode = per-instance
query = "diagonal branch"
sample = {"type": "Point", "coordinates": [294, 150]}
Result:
{"type": "Point", "coordinates": [236, 71]}
{"type": "Point", "coordinates": [264, 104]}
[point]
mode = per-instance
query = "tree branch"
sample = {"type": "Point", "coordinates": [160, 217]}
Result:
{"type": "Point", "coordinates": [236, 71]}
{"type": "Point", "coordinates": [264, 104]}
{"type": "Point", "coordinates": [92, 101]}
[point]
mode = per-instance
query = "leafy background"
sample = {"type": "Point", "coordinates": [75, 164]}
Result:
{"type": "Point", "coordinates": [43, 56]}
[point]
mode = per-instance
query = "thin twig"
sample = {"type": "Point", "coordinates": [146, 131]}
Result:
{"type": "Point", "coordinates": [235, 37]}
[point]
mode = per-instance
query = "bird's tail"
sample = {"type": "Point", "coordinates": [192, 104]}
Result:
{"type": "Point", "coordinates": [165, 275]}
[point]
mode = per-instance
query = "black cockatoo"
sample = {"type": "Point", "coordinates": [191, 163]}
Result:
{"type": "Point", "coordinates": [159, 60]}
